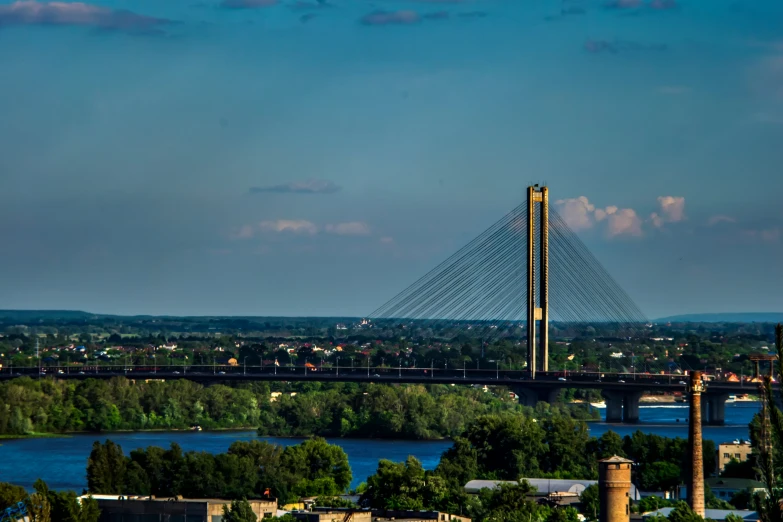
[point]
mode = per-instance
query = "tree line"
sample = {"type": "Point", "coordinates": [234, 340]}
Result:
{"type": "Point", "coordinates": [335, 410]}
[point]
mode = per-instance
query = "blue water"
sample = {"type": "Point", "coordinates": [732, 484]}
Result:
{"type": "Point", "coordinates": [61, 462]}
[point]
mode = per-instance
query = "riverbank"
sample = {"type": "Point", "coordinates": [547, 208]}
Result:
{"type": "Point", "coordinates": [35, 436]}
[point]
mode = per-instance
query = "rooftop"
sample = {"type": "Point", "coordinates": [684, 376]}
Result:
{"type": "Point", "coordinates": [617, 459]}
{"type": "Point", "coordinates": [712, 514]}
{"type": "Point", "coordinates": [169, 499]}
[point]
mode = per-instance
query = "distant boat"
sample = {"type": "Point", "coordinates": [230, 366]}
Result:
{"type": "Point", "coordinates": [599, 405]}
{"type": "Point", "coordinates": [195, 428]}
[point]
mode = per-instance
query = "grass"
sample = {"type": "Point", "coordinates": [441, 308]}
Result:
{"type": "Point", "coordinates": [33, 435]}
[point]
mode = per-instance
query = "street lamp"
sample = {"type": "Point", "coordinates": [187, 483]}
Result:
{"type": "Point", "coordinates": [497, 370]}
{"type": "Point", "coordinates": [399, 374]}
{"type": "Point", "coordinates": [338, 367]}
{"type": "Point", "coordinates": [244, 363]}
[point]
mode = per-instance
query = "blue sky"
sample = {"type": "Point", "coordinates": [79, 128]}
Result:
{"type": "Point", "coordinates": [314, 158]}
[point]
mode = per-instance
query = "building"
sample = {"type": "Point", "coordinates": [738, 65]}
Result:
{"type": "Point", "coordinates": [375, 515]}
{"type": "Point", "coordinates": [122, 508]}
{"type": "Point", "coordinates": [718, 515]}
{"type": "Point", "coordinates": [614, 489]}
{"type": "Point", "coordinates": [543, 487]}
{"type": "Point", "coordinates": [728, 451]}
{"type": "Point", "coordinates": [725, 488]}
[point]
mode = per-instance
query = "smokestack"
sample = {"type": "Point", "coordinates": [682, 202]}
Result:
{"type": "Point", "coordinates": [614, 489]}
{"type": "Point", "coordinates": [696, 486]}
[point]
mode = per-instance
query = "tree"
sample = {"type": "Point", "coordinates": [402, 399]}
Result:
{"type": "Point", "coordinates": [11, 494]}
{"type": "Point", "coordinates": [322, 467]}
{"type": "Point", "coordinates": [563, 514]}
{"type": "Point", "coordinates": [770, 506]}
{"type": "Point", "coordinates": [38, 506]}
{"type": "Point", "coordinates": [682, 512]}
{"type": "Point", "coordinates": [106, 468]}
{"type": "Point", "coordinates": [404, 485]}
{"type": "Point", "coordinates": [590, 500]}
{"type": "Point", "coordinates": [653, 503]}
{"type": "Point", "coordinates": [240, 511]}
{"type": "Point", "coordinates": [733, 517]}
{"type": "Point", "coordinates": [507, 503]}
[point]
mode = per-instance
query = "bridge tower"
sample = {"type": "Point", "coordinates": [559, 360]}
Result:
{"type": "Point", "coordinates": [537, 214]}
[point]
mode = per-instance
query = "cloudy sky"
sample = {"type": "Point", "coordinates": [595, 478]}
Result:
{"type": "Point", "coordinates": [306, 157]}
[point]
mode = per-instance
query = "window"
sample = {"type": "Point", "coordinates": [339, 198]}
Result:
{"type": "Point", "coordinates": [737, 456]}
{"type": "Point", "coordinates": [727, 455]}
{"type": "Point", "coordinates": [626, 509]}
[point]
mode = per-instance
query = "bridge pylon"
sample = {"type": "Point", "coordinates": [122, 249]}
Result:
{"type": "Point", "coordinates": [537, 309]}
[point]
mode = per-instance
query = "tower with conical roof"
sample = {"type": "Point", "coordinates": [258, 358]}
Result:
{"type": "Point", "coordinates": [614, 487]}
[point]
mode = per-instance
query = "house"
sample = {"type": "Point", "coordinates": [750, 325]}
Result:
{"type": "Point", "coordinates": [120, 508]}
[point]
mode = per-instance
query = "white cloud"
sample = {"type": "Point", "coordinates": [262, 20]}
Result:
{"type": "Point", "coordinates": [580, 214]}
{"type": "Point", "coordinates": [296, 226]}
{"type": "Point", "coordinates": [672, 208]}
{"type": "Point", "coordinates": [576, 212]}
{"type": "Point", "coordinates": [623, 221]}
{"type": "Point", "coordinates": [387, 239]}
{"type": "Point", "coordinates": [351, 228]}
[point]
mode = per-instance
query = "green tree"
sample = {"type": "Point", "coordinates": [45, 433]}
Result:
{"type": "Point", "coordinates": [404, 485]}
{"type": "Point", "coordinates": [106, 468]}
{"type": "Point", "coordinates": [733, 517]}
{"type": "Point", "coordinates": [38, 508]}
{"type": "Point", "coordinates": [770, 506]}
{"type": "Point", "coordinates": [11, 494]}
{"type": "Point", "coordinates": [591, 505]}
{"type": "Point", "coordinates": [322, 468]}
{"type": "Point", "coordinates": [240, 511]}
{"type": "Point", "coordinates": [507, 503]}
{"type": "Point", "coordinates": [563, 514]}
{"type": "Point", "coordinates": [682, 512]}
{"type": "Point", "coordinates": [653, 503]}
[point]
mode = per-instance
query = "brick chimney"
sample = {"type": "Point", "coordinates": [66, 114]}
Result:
{"type": "Point", "coordinates": [696, 485]}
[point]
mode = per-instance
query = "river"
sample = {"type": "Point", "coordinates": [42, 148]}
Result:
{"type": "Point", "coordinates": [61, 462]}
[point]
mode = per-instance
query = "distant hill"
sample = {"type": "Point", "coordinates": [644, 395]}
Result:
{"type": "Point", "coordinates": [32, 315]}
{"type": "Point", "coordinates": [750, 317]}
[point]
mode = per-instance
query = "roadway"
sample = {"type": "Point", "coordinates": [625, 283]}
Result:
{"type": "Point", "coordinates": [638, 382]}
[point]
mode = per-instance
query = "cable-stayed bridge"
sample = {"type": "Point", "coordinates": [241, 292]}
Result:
{"type": "Point", "coordinates": [528, 276]}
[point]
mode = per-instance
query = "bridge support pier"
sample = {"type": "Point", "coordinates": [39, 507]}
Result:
{"type": "Point", "coordinates": [622, 406]}
{"type": "Point", "coordinates": [631, 407]}
{"type": "Point", "coordinates": [614, 405]}
{"type": "Point", "coordinates": [532, 396]}
{"type": "Point", "coordinates": [714, 408]}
